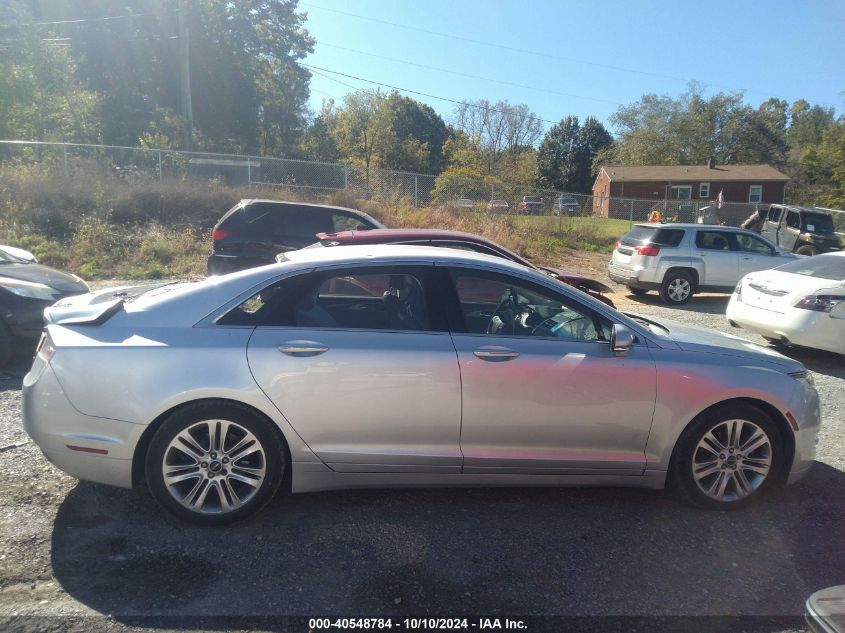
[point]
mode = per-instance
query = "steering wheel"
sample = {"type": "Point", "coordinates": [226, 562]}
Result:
{"type": "Point", "coordinates": [580, 317]}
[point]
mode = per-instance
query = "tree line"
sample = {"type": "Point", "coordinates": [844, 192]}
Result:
{"type": "Point", "coordinates": [68, 74]}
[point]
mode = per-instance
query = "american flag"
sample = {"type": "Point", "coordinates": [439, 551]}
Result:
{"type": "Point", "coordinates": [720, 201]}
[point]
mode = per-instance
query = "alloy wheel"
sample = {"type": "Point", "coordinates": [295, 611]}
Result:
{"type": "Point", "coordinates": [679, 289]}
{"type": "Point", "coordinates": [214, 466]}
{"type": "Point", "coordinates": [732, 460]}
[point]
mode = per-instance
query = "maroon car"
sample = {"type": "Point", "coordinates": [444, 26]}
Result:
{"type": "Point", "coordinates": [458, 239]}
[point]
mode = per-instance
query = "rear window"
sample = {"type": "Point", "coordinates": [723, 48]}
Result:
{"type": "Point", "coordinates": [816, 222]}
{"type": "Point", "coordinates": [653, 235]}
{"type": "Point", "coordinates": [821, 266]}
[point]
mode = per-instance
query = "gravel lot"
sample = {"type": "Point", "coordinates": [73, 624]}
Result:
{"type": "Point", "coordinates": [109, 559]}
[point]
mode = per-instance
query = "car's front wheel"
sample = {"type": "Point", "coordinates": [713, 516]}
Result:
{"type": "Point", "coordinates": [215, 463]}
{"type": "Point", "coordinates": [807, 249]}
{"type": "Point", "coordinates": [677, 288]}
{"type": "Point", "coordinates": [726, 459]}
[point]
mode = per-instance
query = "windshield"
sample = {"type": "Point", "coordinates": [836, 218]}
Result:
{"type": "Point", "coordinates": [828, 266]}
{"type": "Point", "coordinates": [816, 222]}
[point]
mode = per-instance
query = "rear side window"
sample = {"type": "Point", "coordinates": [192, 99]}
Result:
{"type": "Point", "coordinates": [793, 220]}
{"type": "Point", "coordinates": [821, 266]}
{"type": "Point", "coordinates": [774, 214]}
{"type": "Point", "coordinates": [653, 235]}
{"type": "Point", "coordinates": [713, 240]}
{"type": "Point", "coordinates": [346, 222]}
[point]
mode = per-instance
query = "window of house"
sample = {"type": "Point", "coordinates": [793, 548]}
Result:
{"type": "Point", "coordinates": [704, 190]}
{"type": "Point", "coordinates": [755, 193]}
{"type": "Point", "coordinates": [682, 192]}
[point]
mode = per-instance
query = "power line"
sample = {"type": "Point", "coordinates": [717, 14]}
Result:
{"type": "Point", "coordinates": [82, 21]}
{"type": "Point", "coordinates": [417, 92]}
{"type": "Point", "coordinates": [511, 48]}
{"type": "Point", "coordinates": [467, 75]}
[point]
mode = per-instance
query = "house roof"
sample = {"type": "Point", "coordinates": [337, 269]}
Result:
{"type": "Point", "coordinates": [680, 173]}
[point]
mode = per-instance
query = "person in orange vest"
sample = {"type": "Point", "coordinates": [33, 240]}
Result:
{"type": "Point", "coordinates": [654, 216]}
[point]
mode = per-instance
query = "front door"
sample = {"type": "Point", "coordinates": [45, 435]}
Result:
{"type": "Point", "coordinates": [361, 365]}
{"type": "Point", "coordinates": [542, 392]}
{"type": "Point", "coordinates": [755, 254]}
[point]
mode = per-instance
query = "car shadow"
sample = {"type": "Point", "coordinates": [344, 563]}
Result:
{"type": "Point", "coordinates": [491, 552]}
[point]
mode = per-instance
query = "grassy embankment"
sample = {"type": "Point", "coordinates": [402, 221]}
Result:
{"type": "Point", "coordinates": [101, 227]}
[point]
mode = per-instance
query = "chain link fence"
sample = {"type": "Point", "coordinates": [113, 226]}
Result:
{"type": "Point", "coordinates": [315, 180]}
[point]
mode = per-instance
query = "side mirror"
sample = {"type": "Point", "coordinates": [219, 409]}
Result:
{"type": "Point", "coordinates": [621, 339]}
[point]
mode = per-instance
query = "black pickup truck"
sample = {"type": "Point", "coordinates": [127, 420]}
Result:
{"type": "Point", "coordinates": [802, 230]}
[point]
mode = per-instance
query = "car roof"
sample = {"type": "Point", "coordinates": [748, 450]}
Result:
{"type": "Point", "coordinates": [690, 225]}
{"type": "Point", "coordinates": [379, 236]}
{"type": "Point", "coordinates": [293, 203]}
{"type": "Point", "coordinates": [385, 253]}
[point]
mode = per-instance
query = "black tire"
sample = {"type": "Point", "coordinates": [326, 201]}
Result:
{"type": "Point", "coordinates": [671, 290]}
{"type": "Point", "coordinates": [637, 291]}
{"type": "Point", "coordinates": [686, 454]}
{"type": "Point", "coordinates": [274, 459]}
{"type": "Point", "coordinates": [807, 249]}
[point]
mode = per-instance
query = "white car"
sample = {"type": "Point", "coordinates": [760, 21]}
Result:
{"type": "Point", "coordinates": [799, 303]}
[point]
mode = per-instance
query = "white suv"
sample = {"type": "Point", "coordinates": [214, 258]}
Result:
{"type": "Point", "coordinates": [679, 260]}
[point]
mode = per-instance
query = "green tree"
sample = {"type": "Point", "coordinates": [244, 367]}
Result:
{"type": "Point", "coordinates": [808, 124]}
{"type": "Point", "coordinates": [566, 155]}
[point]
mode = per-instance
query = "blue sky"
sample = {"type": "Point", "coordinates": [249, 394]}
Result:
{"type": "Point", "coordinates": [581, 58]}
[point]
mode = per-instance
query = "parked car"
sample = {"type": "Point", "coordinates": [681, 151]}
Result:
{"type": "Point", "coordinates": [801, 230]}
{"type": "Point", "coordinates": [26, 288]}
{"type": "Point", "coordinates": [464, 203]}
{"type": "Point", "coordinates": [679, 260]}
{"type": "Point", "coordinates": [566, 205]}
{"type": "Point", "coordinates": [825, 610]}
{"type": "Point", "coordinates": [531, 205]}
{"type": "Point", "coordinates": [391, 366]}
{"type": "Point", "coordinates": [253, 231]}
{"type": "Point", "coordinates": [498, 206]}
{"type": "Point", "coordinates": [801, 303]}
{"type": "Point", "coordinates": [460, 240]}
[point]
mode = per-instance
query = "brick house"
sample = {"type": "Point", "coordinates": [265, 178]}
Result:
{"type": "Point", "coordinates": [748, 184]}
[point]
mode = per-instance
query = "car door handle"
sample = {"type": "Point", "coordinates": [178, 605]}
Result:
{"type": "Point", "coordinates": [747, 257]}
{"type": "Point", "coordinates": [494, 355]}
{"type": "Point", "coordinates": [301, 349]}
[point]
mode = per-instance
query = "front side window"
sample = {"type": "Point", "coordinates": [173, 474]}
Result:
{"type": "Point", "coordinates": [713, 240]}
{"type": "Point", "coordinates": [704, 190]}
{"type": "Point", "coordinates": [755, 193]}
{"type": "Point", "coordinates": [682, 192]}
{"type": "Point", "coordinates": [753, 244]}
{"type": "Point", "coordinates": [505, 306]}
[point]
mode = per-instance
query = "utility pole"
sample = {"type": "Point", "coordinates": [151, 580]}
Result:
{"type": "Point", "coordinates": [185, 73]}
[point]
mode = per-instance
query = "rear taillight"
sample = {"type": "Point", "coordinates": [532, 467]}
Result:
{"type": "Point", "coordinates": [650, 250]}
{"type": "Point", "coordinates": [738, 291]}
{"type": "Point", "coordinates": [820, 303]}
{"type": "Point", "coordinates": [219, 234]}
{"type": "Point", "coordinates": [618, 244]}
{"type": "Point", "coordinates": [45, 350]}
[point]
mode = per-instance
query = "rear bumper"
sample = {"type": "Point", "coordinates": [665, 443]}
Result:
{"type": "Point", "coordinates": [631, 279]}
{"type": "Point", "coordinates": [798, 327]}
{"type": "Point", "coordinates": [85, 447]}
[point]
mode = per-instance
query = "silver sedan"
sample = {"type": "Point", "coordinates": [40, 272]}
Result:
{"type": "Point", "coordinates": [381, 366]}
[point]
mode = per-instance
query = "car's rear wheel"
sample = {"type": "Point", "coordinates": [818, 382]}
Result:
{"type": "Point", "coordinates": [807, 249]}
{"type": "Point", "coordinates": [728, 458]}
{"type": "Point", "coordinates": [677, 288]}
{"type": "Point", "coordinates": [637, 291]}
{"type": "Point", "coordinates": [215, 463]}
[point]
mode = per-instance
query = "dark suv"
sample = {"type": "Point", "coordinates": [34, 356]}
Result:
{"type": "Point", "coordinates": [801, 230]}
{"type": "Point", "coordinates": [253, 232]}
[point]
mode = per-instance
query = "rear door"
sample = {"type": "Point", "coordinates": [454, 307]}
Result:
{"type": "Point", "coordinates": [360, 363]}
{"type": "Point", "coordinates": [790, 229]}
{"type": "Point", "coordinates": [720, 259]}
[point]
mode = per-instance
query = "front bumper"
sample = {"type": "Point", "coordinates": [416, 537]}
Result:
{"type": "Point", "coordinates": [103, 449]}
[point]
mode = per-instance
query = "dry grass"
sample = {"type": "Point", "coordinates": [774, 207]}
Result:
{"type": "Point", "coordinates": [101, 226]}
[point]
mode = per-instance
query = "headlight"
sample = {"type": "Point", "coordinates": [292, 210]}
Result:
{"type": "Point", "coordinates": [29, 289]}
